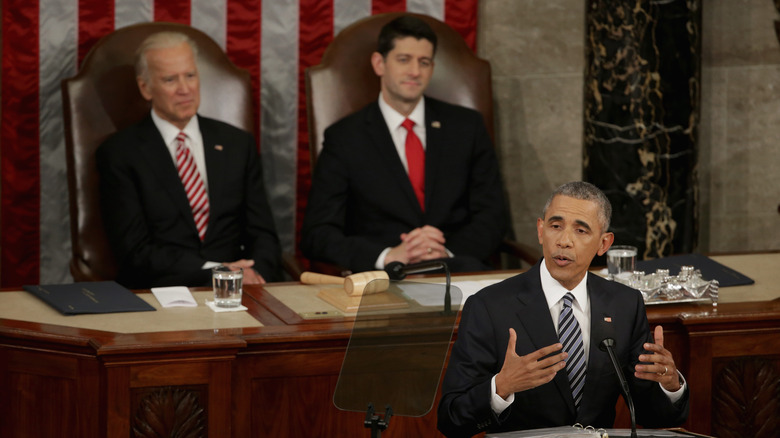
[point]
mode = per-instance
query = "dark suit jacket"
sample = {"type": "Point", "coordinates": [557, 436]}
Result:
{"type": "Point", "coordinates": [148, 219]}
{"type": "Point", "coordinates": [519, 303]}
{"type": "Point", "coordinates": [361, 198]}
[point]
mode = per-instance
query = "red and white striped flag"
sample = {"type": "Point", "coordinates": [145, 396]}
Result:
{"type": "Point", "coordinates": [44, 41]}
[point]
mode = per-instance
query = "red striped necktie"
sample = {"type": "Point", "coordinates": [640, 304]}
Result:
{"type": "Point", "coordinates": [415, 160]}
{"type": "Point", "coordinates": [193, 185]}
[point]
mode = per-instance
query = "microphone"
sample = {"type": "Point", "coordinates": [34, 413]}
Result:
{"type": "Point", "coordinates": [608, 345]}
{"type": "Point", "coordinates": [399, 271]}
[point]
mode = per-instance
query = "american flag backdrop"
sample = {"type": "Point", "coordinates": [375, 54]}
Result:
{"type": "Point", "coordinates": [44, 41]}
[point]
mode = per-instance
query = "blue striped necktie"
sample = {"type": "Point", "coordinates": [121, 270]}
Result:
{"type": "Point", "coordinates": [571, 338]}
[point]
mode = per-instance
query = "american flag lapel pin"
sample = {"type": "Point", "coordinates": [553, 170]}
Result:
{"type": "Point", "coordinates": [218, 147]}
{"type": "Point", "coordinates": [607, 319]}
{"type": "Point", "coordinates": [436, 124]}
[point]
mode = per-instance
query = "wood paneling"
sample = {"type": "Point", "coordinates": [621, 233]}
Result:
{"type": "Point", "coordinates": [46, 394]}
{"type": "Point", "coordinates": [279, 380]}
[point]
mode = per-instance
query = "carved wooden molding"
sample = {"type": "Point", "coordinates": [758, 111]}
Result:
{"type": "Point", "coordinates": [746, 399]}
{"type": "Point", "coordinates": [169, 412]}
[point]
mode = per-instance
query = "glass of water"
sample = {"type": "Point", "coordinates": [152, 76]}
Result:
{"type": "Point", "coordinates": [227, 284]}
{"type": "Point", "coordinates": [621, 261]}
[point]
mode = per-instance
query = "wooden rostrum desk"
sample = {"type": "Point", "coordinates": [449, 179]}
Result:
{"type": "Point", "coordinates": [270, 372]}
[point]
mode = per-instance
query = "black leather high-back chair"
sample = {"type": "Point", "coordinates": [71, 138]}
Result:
{"type": "Point", "coordinates": [104, 98]}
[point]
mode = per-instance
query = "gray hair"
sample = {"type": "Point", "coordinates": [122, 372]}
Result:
{"type": "Point", "coordinates": [160, 40]}
{"type": "Point", "coordinates": [584, 191]}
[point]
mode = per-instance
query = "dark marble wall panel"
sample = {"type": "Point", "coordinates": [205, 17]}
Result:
{"type": "Point", "coordinates": [641, 112]}
{"type": "Point", "coordinates": [777, 22]}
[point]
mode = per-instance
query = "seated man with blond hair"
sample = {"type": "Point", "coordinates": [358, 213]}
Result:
{"type": "Point", "coordinates": [181, 193]}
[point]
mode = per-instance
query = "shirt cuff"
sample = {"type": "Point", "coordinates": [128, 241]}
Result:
{"type": "Point", "coordinates": [380, 261]}
{"type": "Point", "coordinates": [675, 396]}
{"type": "Point", "coordinates": [209, 265]}
{"type": "Point", "coordinates": [497, 403]}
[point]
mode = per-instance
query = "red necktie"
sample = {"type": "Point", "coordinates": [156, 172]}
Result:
{"type": "Point", "coordinates": [193, 185]}
{"type": "Point", "coordinates": [415, 160]}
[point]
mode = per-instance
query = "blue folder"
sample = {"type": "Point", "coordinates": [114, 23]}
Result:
{"type": "Point", "coordinates": [89, 297]}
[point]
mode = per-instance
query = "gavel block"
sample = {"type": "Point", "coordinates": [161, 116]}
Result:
{"type": "Point", "coordinates": [364, 290]}
{"type": "Point", "coordinates": [362, 283]}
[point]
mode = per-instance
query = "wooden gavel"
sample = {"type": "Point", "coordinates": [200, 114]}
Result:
{"type": "Point", "coordinates": [369, 282]}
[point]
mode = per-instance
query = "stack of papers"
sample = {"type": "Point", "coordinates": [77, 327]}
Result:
{"type": "Point", "coordinates": [434, 296]}
{"type": "Point", "coordinates": [175, 296]}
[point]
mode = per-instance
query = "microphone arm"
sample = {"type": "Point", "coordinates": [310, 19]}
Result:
{"type": "Point", "coordinates": [399, 271]}
{"type": "Point", "coordinates": [608, 345]}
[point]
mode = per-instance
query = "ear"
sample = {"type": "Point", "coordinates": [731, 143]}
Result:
{"type": "Point", "coordinates": [539, 229]}
{"type": "Point", "coordinates": [378, 62]}
{"type": "Point", "coordinates": [143, 87]}
{"type": "Point", "coordinates": [606, 241]}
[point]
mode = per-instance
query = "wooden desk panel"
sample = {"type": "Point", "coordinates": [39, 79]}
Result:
{"type": "Point", "coordinates": [278, 380]}
{"type": "Point", "coordinates": [47, 392]}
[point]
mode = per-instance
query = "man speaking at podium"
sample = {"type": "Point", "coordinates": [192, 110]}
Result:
{"type": "Point", "coordinates": [527, 354]}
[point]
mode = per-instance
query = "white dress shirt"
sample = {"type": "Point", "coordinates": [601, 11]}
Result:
{"type": "Point", "coordinates": [393, 120]}
{"type": "Point", "coordinates": [194, 141]}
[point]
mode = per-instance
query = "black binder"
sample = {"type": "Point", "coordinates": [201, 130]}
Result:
{"type": "Point", "coordinates": [89, 297]}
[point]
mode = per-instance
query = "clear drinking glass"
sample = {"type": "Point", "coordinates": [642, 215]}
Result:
{"type": "Point", "coordinates": [621, 261]}
{"type": "Point", "coordinates": [227, 284]}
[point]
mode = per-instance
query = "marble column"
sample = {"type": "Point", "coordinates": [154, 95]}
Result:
{"type": "Point", "coordinates": [641, 114]}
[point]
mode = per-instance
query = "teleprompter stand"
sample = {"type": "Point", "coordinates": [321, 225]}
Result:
{"type": "Point", "coordinates": [375, 422]}
{"type": "Point", "coordinates": [395, 357]}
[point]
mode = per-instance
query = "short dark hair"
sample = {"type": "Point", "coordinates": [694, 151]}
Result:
{"type": "Point", "coordinates": [402, 27]}
{"type": "Point", "coordinates": [584, 191]}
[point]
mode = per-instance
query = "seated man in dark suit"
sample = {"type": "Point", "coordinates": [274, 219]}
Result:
{"type": "Point", "coordinates": [181, 193]}
{"type": "Point", "coordinates": [407, 178]}
{"type": "Point", "coordinates": [551, 320]}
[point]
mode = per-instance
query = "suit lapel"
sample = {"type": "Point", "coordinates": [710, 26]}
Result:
{"type": "Point", "coordinates": [161, 165]}
{"type": "Point", "coordinates": [534, 315]}
{"type": "Point", "coordinates": [381, 139]}
{"type": "Point", "coordinates": [434, 147]}
{"type": "Point", "coordinates": [601, 314]}
{"type": "Point", "coordinates": [216, 167]}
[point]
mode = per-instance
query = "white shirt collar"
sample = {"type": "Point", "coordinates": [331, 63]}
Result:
{"type": "Point", "coordinates": [169, 131]}
{"type": "Point", "coordinates": [393, 118]}
{"type": "Point", "coordinates": [554, 291]}
{"type": "Point", "coordinates": [194, 142]}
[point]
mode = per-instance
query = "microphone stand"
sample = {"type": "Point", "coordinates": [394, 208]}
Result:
{"type": "Point", "coordinates": [399, 271]}
{"type": "Point", "coordinates": [608, 345]}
